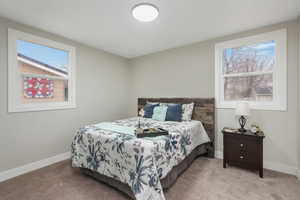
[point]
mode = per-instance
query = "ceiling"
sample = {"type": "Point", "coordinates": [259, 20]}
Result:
{"type": "Point", "coordinates": [108, 24]}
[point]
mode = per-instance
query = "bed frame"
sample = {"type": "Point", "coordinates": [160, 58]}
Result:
{"type": "Point", "coordinates": [204, 111]}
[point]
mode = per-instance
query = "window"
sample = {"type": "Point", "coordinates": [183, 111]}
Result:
{"type": "Point", "coordinates": [41, 73]}
{"type": "Point", "coordinates": [252, 69]}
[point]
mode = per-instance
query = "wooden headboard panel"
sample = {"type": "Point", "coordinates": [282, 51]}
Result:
{"type": "Point", "coordinates": [204, 111]}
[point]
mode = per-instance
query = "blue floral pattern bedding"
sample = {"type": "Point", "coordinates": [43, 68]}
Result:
{"type": "Point", "coordinates": [138, 162]}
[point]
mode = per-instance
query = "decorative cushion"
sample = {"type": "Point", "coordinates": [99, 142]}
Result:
{"type": "Point", "coordinates": [160, 113]}
{"type": "Point", "coordinates": [174, 112]}
{"type": "Point", "coordinates": [142, 112]}
{"type": "Point", "coordinates": [148, 110]}
{"type": "Point", "coordinates": [187, 112]}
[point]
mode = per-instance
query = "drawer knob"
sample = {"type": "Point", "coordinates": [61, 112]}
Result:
{"type": "Point", "coordinates": [242, 145]}
{"type": "Point", "coordinates": [241, 157]}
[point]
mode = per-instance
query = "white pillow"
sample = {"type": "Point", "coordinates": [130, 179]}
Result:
{"type": "Point", "coordinates": [160, 113]}
{"type": "Point", "coordinates": [187, 112]}
{"type": "Point", "coordinates": [141, 112]}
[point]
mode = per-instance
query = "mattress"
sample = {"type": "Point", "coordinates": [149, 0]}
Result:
{"type": "Point", "coordinates": [139, 163]}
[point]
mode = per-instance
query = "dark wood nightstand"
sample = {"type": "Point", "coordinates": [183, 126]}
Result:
{"type": "Point", "coordinates": [244, 150]}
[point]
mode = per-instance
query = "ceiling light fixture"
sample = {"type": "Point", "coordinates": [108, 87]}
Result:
{"type": "Point", "coordinates": [145, 12]}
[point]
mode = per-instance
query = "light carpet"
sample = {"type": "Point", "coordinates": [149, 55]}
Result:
{"type": "Point", "coordinates": [204, 180]}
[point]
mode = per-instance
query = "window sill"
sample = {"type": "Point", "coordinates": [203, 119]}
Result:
{"type": "Point", "coordinates": [254, 106]}
{"type": "Point", "coordinates": [42, 107]}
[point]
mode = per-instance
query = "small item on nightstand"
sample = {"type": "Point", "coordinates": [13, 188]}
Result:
{"type": "Point", "coordinates": [230, 130]}
{"type": "Point", "coordinates": [255, 128]}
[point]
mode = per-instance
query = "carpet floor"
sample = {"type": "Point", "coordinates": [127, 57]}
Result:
{"type": "Point", "coordinates": [204, 180]}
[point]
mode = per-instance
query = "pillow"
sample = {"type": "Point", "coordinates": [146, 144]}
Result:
{"type": "Point", "coordinates": [148, 110]}
{"type": "Point", "coordinates": [142, 112]}
{"type": "Point", "coordinates": [160, 113]}
{"type": "Point", "coordinates": [187, 112]}
{"type": "Point", "coordinates": [174, 112]}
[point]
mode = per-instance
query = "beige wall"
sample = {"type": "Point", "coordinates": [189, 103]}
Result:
{"type": "Point", "coordinates": [101, 94]}
{"type": "Point", "coordinates": [189, 72]}
{"type": "Point", "coordinates": [299, 97]}
{"type": "Point", "coordinates": [58, 85]}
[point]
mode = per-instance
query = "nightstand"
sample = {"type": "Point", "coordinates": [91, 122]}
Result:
{"type": "Point", "coordinates": [243, 150]}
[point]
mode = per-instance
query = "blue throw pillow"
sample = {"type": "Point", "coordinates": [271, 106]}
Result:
{"type": "Point", "coordinates": [174, 112]}
{"type": "Point", "coordinates": [159, 113]}
{"type": "Point", "coordinates": [148, 110]}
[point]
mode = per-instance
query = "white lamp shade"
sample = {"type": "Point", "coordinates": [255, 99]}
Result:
{"type": "Point", "coordinates": [242, 109]}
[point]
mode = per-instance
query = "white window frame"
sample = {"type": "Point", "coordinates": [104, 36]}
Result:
{"type": "Point", "coordinates": [14, 101]}
{"type": "Point", "coordinates": [279, 72]}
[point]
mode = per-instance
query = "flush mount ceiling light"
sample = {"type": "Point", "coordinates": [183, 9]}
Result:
{"type": "Point", "coordinates": [145, 12]}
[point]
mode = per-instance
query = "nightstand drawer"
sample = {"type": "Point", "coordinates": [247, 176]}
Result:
{"type": "Point", "coordinates": [241, 149]}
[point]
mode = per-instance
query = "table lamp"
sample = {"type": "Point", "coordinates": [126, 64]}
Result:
{"type": "Point", "coordinates": [242, 110]}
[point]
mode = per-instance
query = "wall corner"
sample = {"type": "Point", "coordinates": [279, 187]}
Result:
{"type": "Point", "coordinates": [298, 173]}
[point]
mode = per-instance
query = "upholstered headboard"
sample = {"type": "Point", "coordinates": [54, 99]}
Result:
{"type": "Point", "coordinates": [204, 111]}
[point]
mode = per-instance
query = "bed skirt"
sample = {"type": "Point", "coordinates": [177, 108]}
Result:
{"type": "Point", "coordinates": [166, 182]}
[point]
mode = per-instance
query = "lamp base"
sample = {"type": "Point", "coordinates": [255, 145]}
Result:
{"type": "Point", "coordinates": [242, 121]}
{"type": "Point", "coordinates": [242, 130]}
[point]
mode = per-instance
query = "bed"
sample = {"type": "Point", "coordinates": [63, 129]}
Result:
{"type": "Point", "coordinates": [143, 168]}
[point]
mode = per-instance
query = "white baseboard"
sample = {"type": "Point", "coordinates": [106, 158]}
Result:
{"type": "Point", "coordinates": [11, 173]}
{"type": "Point", "coordinates": [279, 167]}
{"type": "Point", "coordinates": [219, 154]}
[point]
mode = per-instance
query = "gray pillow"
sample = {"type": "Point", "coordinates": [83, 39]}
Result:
{"type": "Point", "coordinates": [148, 110]}
{"type": "Point", "coordinates": [187, 110]}
{"type": "Point", "coordinates": [174, 112]}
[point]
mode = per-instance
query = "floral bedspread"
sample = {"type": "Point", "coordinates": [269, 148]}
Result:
{"type": "Point", "coordinates": [139, 162]}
